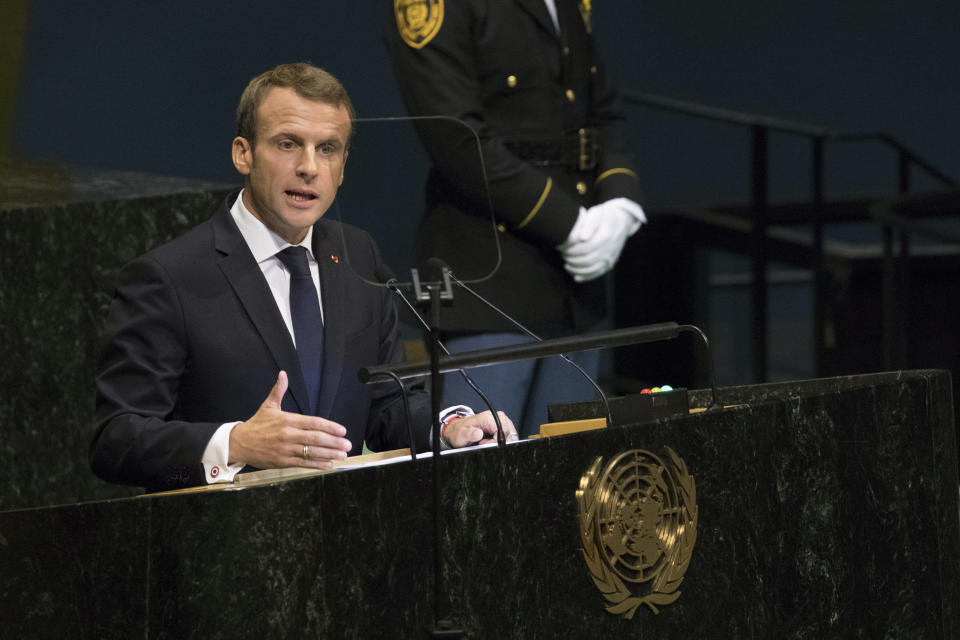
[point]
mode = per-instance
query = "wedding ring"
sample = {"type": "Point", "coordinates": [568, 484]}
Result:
{"type": "Point", "coordinates": [306, 452]}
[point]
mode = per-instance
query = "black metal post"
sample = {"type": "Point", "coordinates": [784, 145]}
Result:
{"type": "Point", "coordinates": [759, 183]}
{"type": "Point", "coordinates": [902, 301]}
{"type": "Point", "coordinates": [442, 628]}
{"type": "Point", "coordinates": [896, 281]}
{"type": "Point", "coordinates": [820, 291]}
{"type": "Point", "coordinates": [888, 298]}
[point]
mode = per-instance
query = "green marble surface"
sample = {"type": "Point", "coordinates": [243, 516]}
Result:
{"type": "Point", "coordinates": [64, 232]}
{"type": "Point", "coordinates": [827, 509]}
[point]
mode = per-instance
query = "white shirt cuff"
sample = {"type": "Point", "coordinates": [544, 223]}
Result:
{"type": "Point", "coordinates": [216, 456]}
{"type": "Point", "coordinates": [459, 410]}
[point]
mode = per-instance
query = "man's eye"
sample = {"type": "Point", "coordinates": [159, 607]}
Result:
{"type": "Point", "coordinates": [286, 145]}
{"type": "Point", "coordinates": [327, 148]}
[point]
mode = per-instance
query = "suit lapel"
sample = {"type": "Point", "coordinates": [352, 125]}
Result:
{"type": "Point", "coordinates": [246, 279]}
{"type": "Point", "coordinates": [327, 251]}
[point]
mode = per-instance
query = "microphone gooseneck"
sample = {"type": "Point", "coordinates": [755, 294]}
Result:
{"type": "Point", "coordinates": [406, 412]}
{"type": "Point", "coordinates": [441, 267]}
{"type": "Point", "coordinates": [385, 275]}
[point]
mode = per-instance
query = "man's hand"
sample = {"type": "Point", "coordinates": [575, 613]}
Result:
{"type": "Point", "coordinates": [274, 438]}
{"type": "Point", "coordinates": [478, 429]}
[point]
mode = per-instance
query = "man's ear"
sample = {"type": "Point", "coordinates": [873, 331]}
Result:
{"type": "Point", "coordinates": [343, 166]}
{"type": "Point", "coordinates": [242, 155]}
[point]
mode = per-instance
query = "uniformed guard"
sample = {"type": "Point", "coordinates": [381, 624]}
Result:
{"type": "Point", "coordinates": [525, 76]}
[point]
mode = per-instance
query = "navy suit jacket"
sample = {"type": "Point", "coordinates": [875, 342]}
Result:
{"type": "Point", "coordinates": [194, 339]}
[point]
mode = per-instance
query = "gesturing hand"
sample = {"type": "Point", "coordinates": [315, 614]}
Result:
{"type": "Point", "coordinates": [273, 438]}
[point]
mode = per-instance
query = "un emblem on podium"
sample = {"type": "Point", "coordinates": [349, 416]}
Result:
{"type": "Point", "coordinates": [638, 525]}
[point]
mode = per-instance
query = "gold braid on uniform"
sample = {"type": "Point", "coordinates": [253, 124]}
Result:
{"type": "Point", "coordinates": [609, 172]}
{"type": "Point", "coordinates": [536, 207]}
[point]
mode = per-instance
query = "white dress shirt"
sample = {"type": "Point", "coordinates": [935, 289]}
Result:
{"type": "Point", "coordinates": [552, 8]}
{"type": "Point", "coordinates": [265, 245]}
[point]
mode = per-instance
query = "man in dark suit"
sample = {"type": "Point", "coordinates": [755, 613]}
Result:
{"type": "Point", "coordinates": [200, 329]}
{"type": "Point", "coordinates": [525, 75]}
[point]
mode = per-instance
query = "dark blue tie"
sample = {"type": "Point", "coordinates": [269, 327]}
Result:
{"type": "Point", "coordinates": [307, 321]}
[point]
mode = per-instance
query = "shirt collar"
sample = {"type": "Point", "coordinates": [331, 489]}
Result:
{"type": "Point", "coordinates": [263, 243]}
{"type": "Point", "coordinates": [552, 9]}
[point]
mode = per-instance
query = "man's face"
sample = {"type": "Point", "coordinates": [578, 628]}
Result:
{"type": "Point", "coordinates": [297, 164]}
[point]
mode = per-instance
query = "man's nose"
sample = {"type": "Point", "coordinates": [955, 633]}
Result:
{"type": "Point", "coordinates": [307, 166]}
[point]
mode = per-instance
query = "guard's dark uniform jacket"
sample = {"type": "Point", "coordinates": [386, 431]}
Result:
{"type": "Point", "coordinates": [551, 134]}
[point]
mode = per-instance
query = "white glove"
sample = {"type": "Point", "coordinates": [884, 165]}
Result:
{"type": "Point", "coordinates": [598, 236]}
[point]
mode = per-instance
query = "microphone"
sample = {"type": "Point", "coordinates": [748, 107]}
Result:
{"type": "Point", "coordinates": [406, 412]}
{"type": "Point", "coordinates": [441, 267]}
{"type": "Point", "coordinates": [438, 264]}
{"type": "Point", "coordinates": [385, 274]}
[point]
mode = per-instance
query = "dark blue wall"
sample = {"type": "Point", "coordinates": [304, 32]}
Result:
{"type": "Point", "coordinates": [866, 65]}
{"type": "Point", "coordinates": [152, 85]}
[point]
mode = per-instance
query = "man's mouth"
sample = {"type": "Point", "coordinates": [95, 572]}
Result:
{"type": "Point", "coordinates": [301, 196]}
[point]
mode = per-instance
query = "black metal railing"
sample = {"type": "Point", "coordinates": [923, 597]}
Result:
{"type": "Point", "coordinates": [895, 267]}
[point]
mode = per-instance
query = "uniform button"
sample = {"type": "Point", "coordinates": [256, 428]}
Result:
{"type": "Point", "coordinates": [511, 81]}
{"type": "Point", "coordinates": [593, 69]}
{"type": "Point", "coordinates": [571, 96]}
{"type": "Point", "coordinates": [501, 228]}
{"type": "Point", "coordinates": [582, 187]}
{"type": "Point", "coordinates": [566, 51]}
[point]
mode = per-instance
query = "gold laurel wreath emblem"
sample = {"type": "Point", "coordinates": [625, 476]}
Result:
{"type": "Point", "coordinates": [418, 20]}
{"type": "Point", "coordinates": [606, 500]}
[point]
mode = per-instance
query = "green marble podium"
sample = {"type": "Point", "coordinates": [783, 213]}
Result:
{"type": "Point", "coordinates": [827, 509]}
{"type": "Point", "coordinates": [64, 232]}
